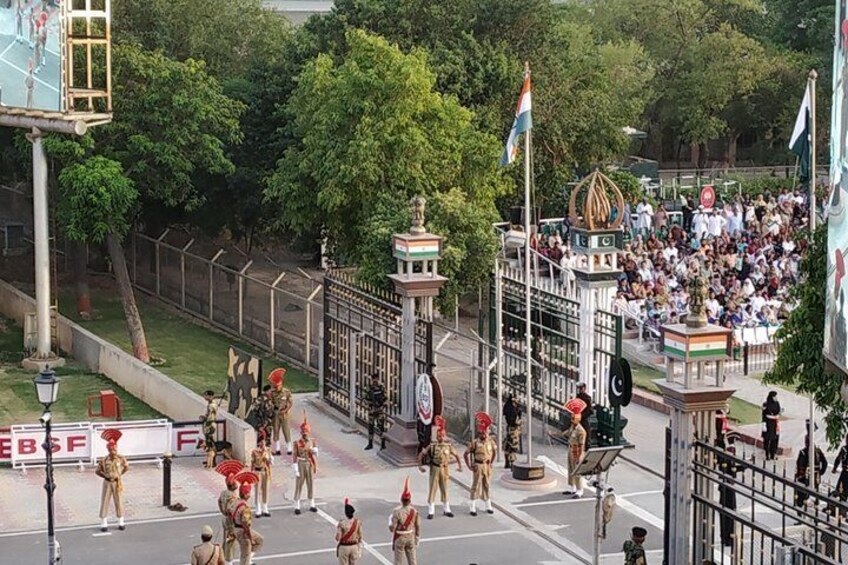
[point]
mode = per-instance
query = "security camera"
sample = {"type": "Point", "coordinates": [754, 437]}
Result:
{"type": "Point", "coordinates": [46, 417]}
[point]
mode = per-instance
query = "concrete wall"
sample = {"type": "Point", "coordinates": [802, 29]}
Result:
{"type": "Point", "coordinates": [142, 381]}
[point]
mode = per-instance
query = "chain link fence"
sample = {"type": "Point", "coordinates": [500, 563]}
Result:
{"type": "Point", "coordinates": [264, 308]}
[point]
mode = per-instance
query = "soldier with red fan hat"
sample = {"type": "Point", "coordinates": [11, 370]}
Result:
{"type": "Point", "coordinates": [405, 525]}
{"type": "Point", "coordinates": [305, 466]}
{"type": "Point", "coordinates": [248, 539]}
{"type": "Point", "coordinates": [348, 537]}
{"type": "Point", "coordinates": [111, 469]}
{"type": "Point", "coordinates": [227, 501]}
{"type": "Point", "coordinates": [283, 403]}
{"type": "Point", "coordinates": [440, 453]}
{"type": "Point", "coordinates": [260, 463]}
{"type": "Point", "coordinates": [575, 435]}
{"type": "Point", "coordinates": [479, 457]}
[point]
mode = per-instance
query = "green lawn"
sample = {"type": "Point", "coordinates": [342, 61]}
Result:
{"type": "Point", "coordinates": [191, 354]}
{"type": "Point", "coordinates": [741, 411]}
{"type": "Point", "coordinates": [18, 404]}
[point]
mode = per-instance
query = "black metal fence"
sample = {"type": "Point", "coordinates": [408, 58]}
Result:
{"type": "Point", "coordinates": [746, 511]}
{"type": "Point", "coordinates": [362, 335]}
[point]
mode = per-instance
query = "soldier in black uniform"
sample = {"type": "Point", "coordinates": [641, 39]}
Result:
{"type": "Point", "coordinates": [842, 461]}
{"type": "Point", "coordinates": [375, 398]}
{"type": "Point", "coordinates": [726, 490]}
{"type": "Point", "coordinates": [801, 470]}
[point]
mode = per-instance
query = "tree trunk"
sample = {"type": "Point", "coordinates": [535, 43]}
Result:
{"type": "Point", "coordinates": [732, 140]}
{"type": "Point", "coordinates": [79, 253]}
{"type": "Point", "coordinates": [134, 325]}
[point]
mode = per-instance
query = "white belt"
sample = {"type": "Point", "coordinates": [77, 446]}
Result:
{"type": "Point", "coordinates": [402, 532]}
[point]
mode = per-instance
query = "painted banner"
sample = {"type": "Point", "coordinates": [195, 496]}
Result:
{"type": "Point", "coordinates": [836, 310]}
{"type": "Point", "coordinates": [71, 443]}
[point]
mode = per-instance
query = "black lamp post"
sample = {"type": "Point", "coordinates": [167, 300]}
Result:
{"type": "Point", "coordinates": [47, 389]}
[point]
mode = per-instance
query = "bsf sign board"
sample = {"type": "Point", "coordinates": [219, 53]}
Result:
{"type": "Point", "coordinates": [708, 197]}
{"type": "Point", "coordinates": [424, 398]}
{"type": "Point", "coordinates": [21, 445]}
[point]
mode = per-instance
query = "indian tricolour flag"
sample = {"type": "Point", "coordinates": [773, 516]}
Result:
{"type": "Point", "coordinates": [799, 143]}
{"type": "Point", "coordinates": [522, 123]}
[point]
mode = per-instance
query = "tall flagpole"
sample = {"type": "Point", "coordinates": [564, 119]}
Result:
{"type": "Point", "coordinates": [811, 84]}
{"type": "Point", "coordinates": [528, 339]}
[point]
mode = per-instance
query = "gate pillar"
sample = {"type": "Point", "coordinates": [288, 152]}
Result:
{"type": "Point", "coordinates": [417, 281]}
{"type": "Point", "coordinates": [693, 388]}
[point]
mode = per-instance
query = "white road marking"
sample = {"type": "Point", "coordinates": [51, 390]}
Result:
{"type": "Point", "coordinates": [553, 502]}
{"type": "Point", "coordinates": [369, 548]}
{"type": "Point", "coordinates": [101, 534]}
{"type": "Point", "coordinates": [138, 522]}
{"type": "Point", "coordinates": [642, 493]}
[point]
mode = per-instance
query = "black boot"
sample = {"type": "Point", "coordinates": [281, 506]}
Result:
{"type": "Point", "coordinates": [370, 445]}
{"type": "Point", "coordinates": [382, 444]}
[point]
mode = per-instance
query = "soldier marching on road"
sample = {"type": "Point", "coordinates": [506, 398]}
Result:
{"type": "Point", "coordinates": [376, 398]}
{"type": "Point", "coordinates": [305, 466]}
{"type": "Point", "coordinates": [405, 525]}
{"type": "Point", "coordinates": [440, 454]}
{"type": "Point", "coordinates": [227, 501]}
{"type": "Point", "coordinates": [248, 539]}
{"type": "Point", "coordinates": [207, 553]}
{"type": "Point", "coordinates": [283, 403]}
{"type": "Point", "coordinates": [479, 457]}
{"type": "Point", "coordinates": [260, 463]}
{"type": "Point", "coordinates": [348, 537]}
{"type": "Point", "coordinates": [112, 469]}
{"type": "Point", "coordinates": [209, 418]}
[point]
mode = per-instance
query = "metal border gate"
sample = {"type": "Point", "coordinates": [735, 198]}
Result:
{"type": "Point", "coordinates": [362, 335]}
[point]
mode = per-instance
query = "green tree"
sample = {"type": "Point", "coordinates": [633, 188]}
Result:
{"type": "Point", "coordinates": [372, 133]}
{"type": "Point", "coordinates": [799, 361]}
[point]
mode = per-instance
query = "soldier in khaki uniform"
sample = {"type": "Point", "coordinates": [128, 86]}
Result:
{"type": "Point", "coordinates": [305, 466]}
{"type": "Point", "coordinates": [112, 469]}
{"type": "Point", "coordinates": [207, 553]}
{"type": "Point", "coordinates": [575, 434]}
{"type": "Point", "coordinates": [260, 463]}
{"type": "Point", "coordinates": [439, 453]}
{"type": "Point", "coordinates": [283, 402]}
{"type": "Point", "coordinates": [208, 419]}
{"type": "Point", "coordinates": [348, 537]}
{"type": "Point", "coordinates": [248, 539]}
{"type": "Point", "coordinates": [227, 501]}
{"type": "Point", "coordinates": [479, 457]}
{"type": "Point", "coordinates": [405, 525]}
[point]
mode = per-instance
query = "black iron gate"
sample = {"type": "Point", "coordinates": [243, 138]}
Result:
{"type": "Point", "coordinates": [362, 335]}
{"type": "Point", "coordinates": [746, 511]}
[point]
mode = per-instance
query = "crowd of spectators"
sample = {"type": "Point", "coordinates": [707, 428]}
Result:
{"type": "Point", "coordinates": [747, 246]}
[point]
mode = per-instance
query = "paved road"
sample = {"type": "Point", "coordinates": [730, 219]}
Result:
{"type": "Point", "coordinates": [15, 56]}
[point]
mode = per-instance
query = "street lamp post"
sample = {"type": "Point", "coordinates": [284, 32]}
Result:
{"type": "Point", "coordinates": [47, 389]}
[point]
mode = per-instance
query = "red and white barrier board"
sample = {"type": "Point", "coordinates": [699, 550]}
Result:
{"type": "Point", "coordinates": [21, 445]}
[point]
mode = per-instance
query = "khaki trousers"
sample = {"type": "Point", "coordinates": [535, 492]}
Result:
{"type": "Point", "coordinates": [480, 483]}
{"type": "Point", "coordinates": [248, 545]}
{"type": "Point", "coordinates": [281, 421]}
{"type": "Point", "coordinates": [262, 489]}
{"type": "Point", "coordinates": [439, 477]}
{"type": "Point", "coordinates": [405, 550]}
{"type": "Point", "coordinates": [110, 491]}
{"type": "Point", "coordinates": [349, 554]}
{"type": "Point", "coordinates": [229, 544]}
{"type": "Point", "coordinates": [305, 476]}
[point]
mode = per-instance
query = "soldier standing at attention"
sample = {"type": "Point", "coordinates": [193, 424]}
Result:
{"type": "Point", "coordinates": [208, 420]}
{"type": "Point", "coordinates": [227, 501]}
{"type": "Point", "coordinates": [512, 436]}
{"type": "Point", "coordinates": [376, 398]}
{"type": "Point", "coordinates": [248, 539]}
{"type": "Point", "coordinates": [405, 526]}
{"type": "Point", "coordinates": [260, 463]}
{"type": "Point", "coordinates": [576, 437]}
{"type": "Point", "coordinates": [440, 453]}
{"type": "Point", "coordinates": [348, 537]}
{"type": "Point", "coordinates": [264, 413]}
{"type": "Point", "coordinates": [587, 412]}
{"type": "Point", "coordinates": [111, 469]}
{"type": "Point", "coordinates": [634, 553]}
{"type": "Point", "coordinates": [479, 457]}
{"type": "Point", "coordinates": [305, 466]}
{"type": "Point", "coordinates": [207, 553]}
{"type": "Point", "coordinates": [283, 402]}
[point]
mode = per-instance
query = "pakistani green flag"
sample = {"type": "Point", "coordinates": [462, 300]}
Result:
{"type": "Point", "coordinates": [799, 143]}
